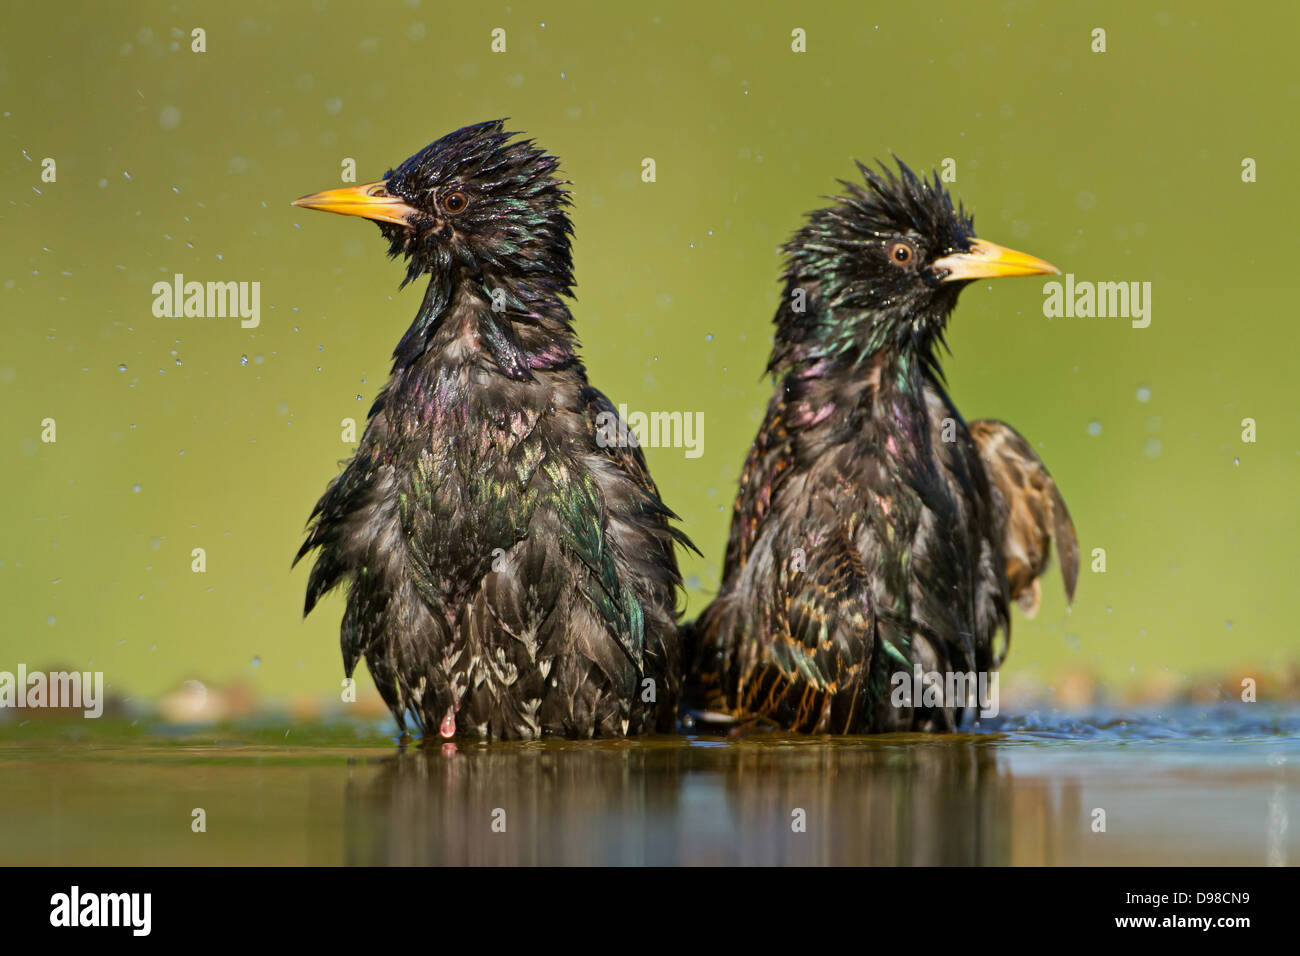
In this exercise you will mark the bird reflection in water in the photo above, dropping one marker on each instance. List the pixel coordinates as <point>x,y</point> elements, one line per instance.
<point>656,801</point>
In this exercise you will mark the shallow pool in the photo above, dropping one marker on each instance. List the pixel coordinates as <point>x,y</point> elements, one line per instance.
<point>1190,785</point>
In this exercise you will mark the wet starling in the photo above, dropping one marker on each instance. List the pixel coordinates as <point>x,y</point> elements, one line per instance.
<point>874,530</point>
<point>510,571</point>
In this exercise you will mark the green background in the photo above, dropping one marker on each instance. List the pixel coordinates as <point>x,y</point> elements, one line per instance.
<point>1117,166</point>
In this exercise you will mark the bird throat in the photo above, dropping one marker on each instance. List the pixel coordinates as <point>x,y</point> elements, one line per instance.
<point>481,351</point>
<point>837,398</point>
<point>514,328</point>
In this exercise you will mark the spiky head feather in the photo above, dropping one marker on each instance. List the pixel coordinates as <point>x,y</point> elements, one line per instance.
<point>845,296</point>
<point>514,218</point>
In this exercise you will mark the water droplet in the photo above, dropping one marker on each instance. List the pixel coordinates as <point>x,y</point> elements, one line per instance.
<point>122,367</point>
<point>1143,394</point>
<point>1094,428</point>
<point>243,360</point>
<point>257,661</point>
<point>1236,461</point>
<point>136,489</point>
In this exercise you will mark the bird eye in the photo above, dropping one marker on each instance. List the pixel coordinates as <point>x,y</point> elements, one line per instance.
<point>455,202</point>
<point>901,253</point>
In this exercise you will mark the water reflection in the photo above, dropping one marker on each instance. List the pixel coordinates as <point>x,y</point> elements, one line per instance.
<point>1184,788</point>
<point>846,802</point>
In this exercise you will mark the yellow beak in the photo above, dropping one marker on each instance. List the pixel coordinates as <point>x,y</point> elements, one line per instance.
<point>371,201</point>
<point>986,260</point>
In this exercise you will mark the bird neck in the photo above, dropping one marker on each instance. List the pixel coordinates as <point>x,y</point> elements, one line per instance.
<point>838,390</point>
<point>815,329</point>
<point>508,326</point>
<point>882,398</point>
<point>837,360</point>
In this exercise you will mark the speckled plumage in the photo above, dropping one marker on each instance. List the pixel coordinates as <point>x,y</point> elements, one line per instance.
<point>870,534</point>
<point>507,576</point>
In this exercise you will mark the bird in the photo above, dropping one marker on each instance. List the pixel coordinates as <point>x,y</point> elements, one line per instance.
<point>509,565</point>
<point>875,532</point>
<point>1030,511</point>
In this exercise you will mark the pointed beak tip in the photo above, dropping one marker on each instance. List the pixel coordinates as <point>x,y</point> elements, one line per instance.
<point>987,260</point>
<point>366,201</point>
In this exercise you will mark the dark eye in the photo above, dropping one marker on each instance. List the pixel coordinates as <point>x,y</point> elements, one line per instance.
<point>901,253</point>
<point>455,202</point>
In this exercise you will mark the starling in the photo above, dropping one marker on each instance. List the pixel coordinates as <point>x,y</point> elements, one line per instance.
<point>510,571</point>
<point>875,531</point>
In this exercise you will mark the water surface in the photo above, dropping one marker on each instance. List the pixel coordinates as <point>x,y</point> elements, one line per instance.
<point>1184,786</point>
